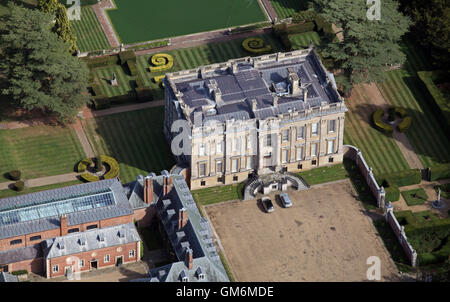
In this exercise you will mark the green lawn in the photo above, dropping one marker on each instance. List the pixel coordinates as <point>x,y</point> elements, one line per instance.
<point>143,20</point>
<point>10,193</point>
<point>135,139</point>
<point>324,174</point>
<point>104,74</point>
<point>286,8</point>
<point>415,197</point>
<point>89,32</point>
<point>218,194</point>
<point>39,151</point>
<point>402,88</point>
<point>380,151</point>
<point>301,41</point>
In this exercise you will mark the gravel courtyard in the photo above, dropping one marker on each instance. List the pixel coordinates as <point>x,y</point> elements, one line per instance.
<point>325,236</point>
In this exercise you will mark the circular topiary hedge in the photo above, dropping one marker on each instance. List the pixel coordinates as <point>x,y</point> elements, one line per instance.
<point>403,126</point>
<point>111,164</point>
<point>255,45</point>
<point>161,62</point>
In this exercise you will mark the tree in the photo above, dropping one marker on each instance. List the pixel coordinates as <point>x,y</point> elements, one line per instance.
<point>62,24</point>
<point>39,72</point>
<point>368,46</point>
<point>431,27</point>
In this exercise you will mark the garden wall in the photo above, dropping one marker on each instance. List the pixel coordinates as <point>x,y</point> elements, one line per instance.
<point>355,154</point>
<point>401,236</point>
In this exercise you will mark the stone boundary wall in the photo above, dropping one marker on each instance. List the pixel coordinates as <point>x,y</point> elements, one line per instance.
<point>355,154</point>
<point>401,236</point>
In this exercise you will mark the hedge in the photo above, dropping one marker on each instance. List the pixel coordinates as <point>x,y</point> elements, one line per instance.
<point>144,94</point>
<point>101,103</point>
<point>102,61</point>
<point>404,125</point>
<point>132,67</point>
<point>300,28</point>
<point>392,192</point>
<point>304,16</point>
<point>151,45</point>
<point>158,79</point>
<point>441,171</point>
<point>96,89</point>
<point>161,62</point>
<point>255,45</point>
<point>126,56</point>
<point>438,101</point>
<point>113,166</point>
<point>89,177</point>
<point>20,272</point>
<point>84,164</point>
<point>19,185</point>
<point>379,124</point>
<point>401,178</point>
<point>14,174</point>
<point>400,111</point>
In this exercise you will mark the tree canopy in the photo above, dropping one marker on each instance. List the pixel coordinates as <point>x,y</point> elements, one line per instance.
<point>39,71</point>
<point>368,46</point>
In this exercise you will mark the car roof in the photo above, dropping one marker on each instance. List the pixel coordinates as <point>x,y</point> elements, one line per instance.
<point>284,195</point>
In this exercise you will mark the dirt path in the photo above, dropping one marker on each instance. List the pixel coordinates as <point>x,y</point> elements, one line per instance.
<point>99,10</point>
<point>82,137</point>
<point>268,7</point>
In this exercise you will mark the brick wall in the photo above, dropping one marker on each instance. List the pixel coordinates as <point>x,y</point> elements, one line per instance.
<point>144,216</point>
<point>95,255</point>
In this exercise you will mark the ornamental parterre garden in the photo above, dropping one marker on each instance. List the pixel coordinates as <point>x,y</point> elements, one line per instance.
<point>400,124</point>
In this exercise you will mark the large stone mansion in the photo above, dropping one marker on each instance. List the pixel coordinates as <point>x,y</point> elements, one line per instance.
<point>278,112</point>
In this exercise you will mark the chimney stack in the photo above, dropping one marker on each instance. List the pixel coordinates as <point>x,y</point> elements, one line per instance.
<point>63,225</point>
<point>294,81</point>
<point>275,101</point>
<point>253,104</point>
<point>167,184</point>
<point>305,94</point>
<point>189,258</point>
<point>148,190</point>
<point>182,218</point>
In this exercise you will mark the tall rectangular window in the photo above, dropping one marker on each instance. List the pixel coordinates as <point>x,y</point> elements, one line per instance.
<point>300,153</point>
<point>248,142</point>
<point>315,129</point>
<point>234,165</point>
<point>202,169</point>
<point>236,145</point>
<point>284,155</point>
<point>202,150</point>
<point>332,126</point>
<point>106,258</point>
<point>131,254</point>
<point>249,162</point>
<point>285,135</point>
<point>268,140</point>
<point>301,132</point>
<point>219,147</point>
<point>219,166</point>
<point>55,268</point>
<point>314,149</point>
<point>330,147</point>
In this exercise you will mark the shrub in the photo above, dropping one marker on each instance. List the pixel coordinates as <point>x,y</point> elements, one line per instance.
<point>404,125</point>
<point>415,197</point>
<point>14,174</point>
<point>113,166</point>
<point>132,67</point>
<point>441,171</point>
<point>101,61</point>
<point>19,185</point>
<point>101,103</point>
<point>400,111</point>
<point>20,272</point>
<point>304,16</point>
<point>255,45</point>
<point>89,177</point>
<point>379,124</point>
<point>158,79</point>
<point>126,56</point>
<point>84,164</point>
<point>161,62</point>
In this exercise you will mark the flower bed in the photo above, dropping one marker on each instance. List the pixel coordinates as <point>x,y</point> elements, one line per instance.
<point>255,45</point>
<point>161,62</point>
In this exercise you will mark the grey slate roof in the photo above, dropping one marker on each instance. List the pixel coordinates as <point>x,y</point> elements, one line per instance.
<point>196,235</point>
<point>15,211</point>
<point>249,82</point>
<point>7,277</point>
<point>21,254</point>
<point>90,240</point>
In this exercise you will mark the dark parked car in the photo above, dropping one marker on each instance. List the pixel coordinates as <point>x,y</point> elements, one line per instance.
<point>267,204</point>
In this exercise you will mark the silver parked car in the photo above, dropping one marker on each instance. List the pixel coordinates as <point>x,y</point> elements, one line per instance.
<point>284,197</point>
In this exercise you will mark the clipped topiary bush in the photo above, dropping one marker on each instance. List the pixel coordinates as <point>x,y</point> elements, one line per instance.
<point>441,171</point>
<point>161,62</point>
<point>255,45</point>
<point>14,174</point>
<point>379,124</point>
<point>127,56</point>
<point>113,166</point>
<point>89,177</point>
<point>19,185</point>
<point>404,125</point>
<point>84,164</point>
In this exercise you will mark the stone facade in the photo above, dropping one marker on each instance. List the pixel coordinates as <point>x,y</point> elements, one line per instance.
<point>233,137</point>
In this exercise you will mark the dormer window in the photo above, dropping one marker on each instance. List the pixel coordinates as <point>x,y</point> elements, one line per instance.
<point>199,273</point>
<point>201,277</point>
<point>101,237</point>
<point>184,276</point>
